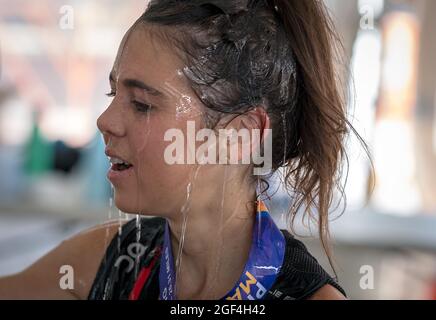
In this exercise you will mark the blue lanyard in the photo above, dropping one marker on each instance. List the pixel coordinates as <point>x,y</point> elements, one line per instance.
<point>264,262</point>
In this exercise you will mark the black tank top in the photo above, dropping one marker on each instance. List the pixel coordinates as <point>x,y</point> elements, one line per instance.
<point>123,276</point>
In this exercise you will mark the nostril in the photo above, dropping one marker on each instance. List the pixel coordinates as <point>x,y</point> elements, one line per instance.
<point>106,139</point>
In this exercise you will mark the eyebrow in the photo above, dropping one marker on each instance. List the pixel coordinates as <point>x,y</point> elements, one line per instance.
<point>134,83</point>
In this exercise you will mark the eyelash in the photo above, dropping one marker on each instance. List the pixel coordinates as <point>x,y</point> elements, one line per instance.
<point>141,107</point>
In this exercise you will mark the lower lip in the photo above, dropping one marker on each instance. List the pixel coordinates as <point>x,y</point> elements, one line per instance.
<point>116,176</point>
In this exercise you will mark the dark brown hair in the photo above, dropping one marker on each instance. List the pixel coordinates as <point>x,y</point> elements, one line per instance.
<point>280,54</point>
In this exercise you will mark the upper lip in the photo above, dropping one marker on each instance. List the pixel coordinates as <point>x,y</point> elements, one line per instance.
<point>112,154</point>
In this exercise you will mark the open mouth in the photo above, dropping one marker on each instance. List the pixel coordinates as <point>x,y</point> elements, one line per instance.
<point>119,164</point>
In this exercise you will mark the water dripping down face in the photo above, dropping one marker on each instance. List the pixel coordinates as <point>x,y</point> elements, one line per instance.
<point>151,96</point>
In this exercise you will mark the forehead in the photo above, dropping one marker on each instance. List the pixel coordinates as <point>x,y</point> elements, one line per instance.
<point>145,56</point>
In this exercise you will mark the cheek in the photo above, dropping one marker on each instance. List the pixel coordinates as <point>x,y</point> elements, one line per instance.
<point>159,182</point>
<point>154,171</point>
<point>161,187</point>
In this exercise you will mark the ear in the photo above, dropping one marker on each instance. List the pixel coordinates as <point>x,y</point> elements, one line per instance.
<point>257,118</point>
<point>257,123</point>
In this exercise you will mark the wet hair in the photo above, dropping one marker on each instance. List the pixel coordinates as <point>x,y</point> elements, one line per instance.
<point>280,54</point>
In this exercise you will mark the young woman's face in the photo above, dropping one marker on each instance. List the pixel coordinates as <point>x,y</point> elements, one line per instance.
<point>150,97</point>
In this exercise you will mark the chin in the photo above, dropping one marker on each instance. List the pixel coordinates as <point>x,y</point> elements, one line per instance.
<point>128,205</point>
<point>126,209</point>
<point>125,204</point>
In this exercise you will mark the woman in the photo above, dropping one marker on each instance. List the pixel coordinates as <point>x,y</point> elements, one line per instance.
<point>185,66</point>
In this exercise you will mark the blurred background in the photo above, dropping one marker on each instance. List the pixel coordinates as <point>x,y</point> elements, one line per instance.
<point>55,59</point>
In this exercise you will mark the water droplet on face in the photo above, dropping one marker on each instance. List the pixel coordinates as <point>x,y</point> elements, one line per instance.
<point>138,228</point>
<point>138,241</point>
<point>184,107</point>
<point>120,230</point>
<point>185,211</point>
<point>111,202</point>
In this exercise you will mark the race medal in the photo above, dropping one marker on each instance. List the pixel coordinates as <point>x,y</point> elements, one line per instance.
<point>264,262</point>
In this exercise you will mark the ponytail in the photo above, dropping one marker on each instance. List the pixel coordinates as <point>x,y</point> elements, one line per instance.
<point>313,175</point>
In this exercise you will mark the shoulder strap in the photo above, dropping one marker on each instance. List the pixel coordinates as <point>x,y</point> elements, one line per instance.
<point>119,270</point>
<point>301,274</point>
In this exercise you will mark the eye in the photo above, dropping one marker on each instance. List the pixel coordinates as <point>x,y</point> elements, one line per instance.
<point>141,107</point>
<point>111,94</point>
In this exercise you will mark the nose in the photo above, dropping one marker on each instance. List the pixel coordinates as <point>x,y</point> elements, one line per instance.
<point>110,123</point>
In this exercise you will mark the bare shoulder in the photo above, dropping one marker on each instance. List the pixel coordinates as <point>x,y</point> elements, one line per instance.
<point>79,256</point>
<point>328,292</point>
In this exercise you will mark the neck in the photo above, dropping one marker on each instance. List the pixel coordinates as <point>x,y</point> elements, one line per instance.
<point>212,241</point>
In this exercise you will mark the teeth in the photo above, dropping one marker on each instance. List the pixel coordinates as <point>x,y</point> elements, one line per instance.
<point>118,161</point>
